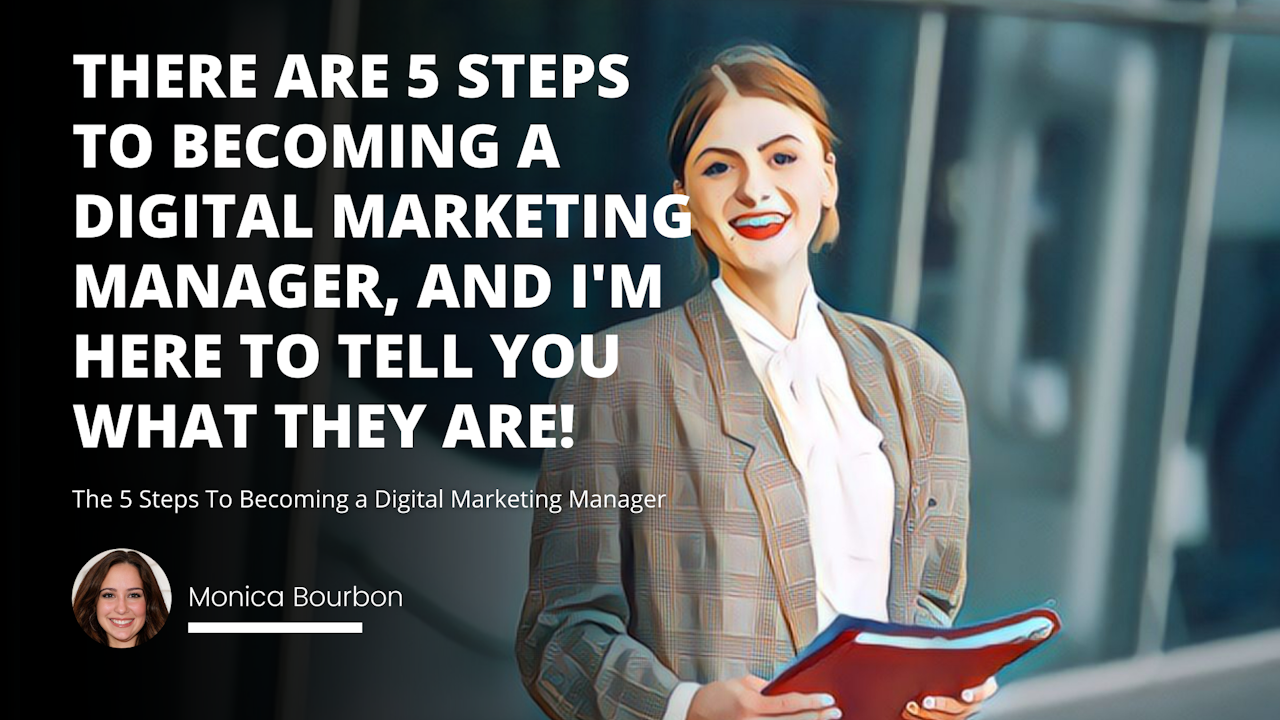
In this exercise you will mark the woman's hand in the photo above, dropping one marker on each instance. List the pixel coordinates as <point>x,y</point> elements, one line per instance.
<point>936,707</point>
<point>740,698</point>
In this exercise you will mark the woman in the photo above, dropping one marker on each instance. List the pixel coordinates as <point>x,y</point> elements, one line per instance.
<point>814,463</point>
<point>119,603</point>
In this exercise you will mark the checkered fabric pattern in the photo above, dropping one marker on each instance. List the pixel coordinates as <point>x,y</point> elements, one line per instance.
<point>719,582</point>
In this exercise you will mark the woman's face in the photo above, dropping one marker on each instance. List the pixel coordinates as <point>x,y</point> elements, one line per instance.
<point>122,607</point>
<point>758,180</point>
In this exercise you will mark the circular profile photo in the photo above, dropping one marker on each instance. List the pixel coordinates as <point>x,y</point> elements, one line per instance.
<point>121,598</point>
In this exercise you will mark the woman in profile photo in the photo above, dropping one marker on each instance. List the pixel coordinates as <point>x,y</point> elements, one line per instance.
<point>815,463</point>
<point>119,603</point>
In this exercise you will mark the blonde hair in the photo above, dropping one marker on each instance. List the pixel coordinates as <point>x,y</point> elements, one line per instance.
<point>755,70</point>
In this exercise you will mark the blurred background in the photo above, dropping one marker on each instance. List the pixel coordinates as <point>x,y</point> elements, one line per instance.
<point>1077,203</point>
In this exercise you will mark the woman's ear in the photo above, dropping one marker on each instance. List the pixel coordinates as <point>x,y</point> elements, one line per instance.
<point>832,182</point>
<point>677,188</point>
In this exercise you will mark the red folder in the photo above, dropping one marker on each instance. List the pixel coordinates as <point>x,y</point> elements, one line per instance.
<point>873,669</point>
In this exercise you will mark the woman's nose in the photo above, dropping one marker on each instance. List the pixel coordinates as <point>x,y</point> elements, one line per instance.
<point>756,186</point>
<point>122,606</point>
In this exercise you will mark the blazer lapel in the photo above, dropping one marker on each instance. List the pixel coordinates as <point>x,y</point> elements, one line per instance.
<point>775,484</point>
<point>872,376</point>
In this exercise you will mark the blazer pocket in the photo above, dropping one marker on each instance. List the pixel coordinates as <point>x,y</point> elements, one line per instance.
<point>940,496</point>
<point>940,581</point>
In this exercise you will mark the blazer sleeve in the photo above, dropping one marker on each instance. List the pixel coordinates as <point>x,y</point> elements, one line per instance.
<point>575,655</point>
<point>943,427</point>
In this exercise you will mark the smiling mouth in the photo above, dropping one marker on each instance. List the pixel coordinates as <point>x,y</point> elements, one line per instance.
<point>121,622</point>
<point>759,226</point>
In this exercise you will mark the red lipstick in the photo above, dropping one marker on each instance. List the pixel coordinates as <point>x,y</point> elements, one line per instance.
<point>759,226</point>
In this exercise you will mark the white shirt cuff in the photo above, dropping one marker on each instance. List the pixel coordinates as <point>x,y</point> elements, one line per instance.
<point>680,700</point>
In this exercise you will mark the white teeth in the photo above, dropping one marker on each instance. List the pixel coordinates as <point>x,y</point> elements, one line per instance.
<point>121,623</point>
<point>759,220</point>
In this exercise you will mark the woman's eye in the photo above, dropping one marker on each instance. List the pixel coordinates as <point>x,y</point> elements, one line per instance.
<point>108,596</point>
<point>782,158</point>
<point>135,596</point>
<point>715,168</point>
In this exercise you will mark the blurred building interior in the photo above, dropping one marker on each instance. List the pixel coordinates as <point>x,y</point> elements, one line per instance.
<point>1077,203</point>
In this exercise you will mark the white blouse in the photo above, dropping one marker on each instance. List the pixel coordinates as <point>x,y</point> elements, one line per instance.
<point>846,475</point>
<point>847,480</point>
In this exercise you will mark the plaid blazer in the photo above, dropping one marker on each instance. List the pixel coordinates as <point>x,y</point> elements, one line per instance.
<point>719,582</point>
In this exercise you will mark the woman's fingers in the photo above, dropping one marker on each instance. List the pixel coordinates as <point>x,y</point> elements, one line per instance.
<point>740,698</point>
<point>980,693</point>
<point>944,705</point>
<point>915,712</point>
<point>828,714</point>
<point>796,704</point>
<point>753,682</point>
<point>939,707</point>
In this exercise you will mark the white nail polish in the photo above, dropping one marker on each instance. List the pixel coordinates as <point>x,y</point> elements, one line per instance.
<point>967,696</point>
<point>929,703</point>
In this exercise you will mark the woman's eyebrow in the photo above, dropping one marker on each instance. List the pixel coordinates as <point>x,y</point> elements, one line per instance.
<point>114,590</point>
<point>777,139</point>
<point>726,151</point>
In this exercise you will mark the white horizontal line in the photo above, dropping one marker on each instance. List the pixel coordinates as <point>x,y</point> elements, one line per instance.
<point>293,628</point>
